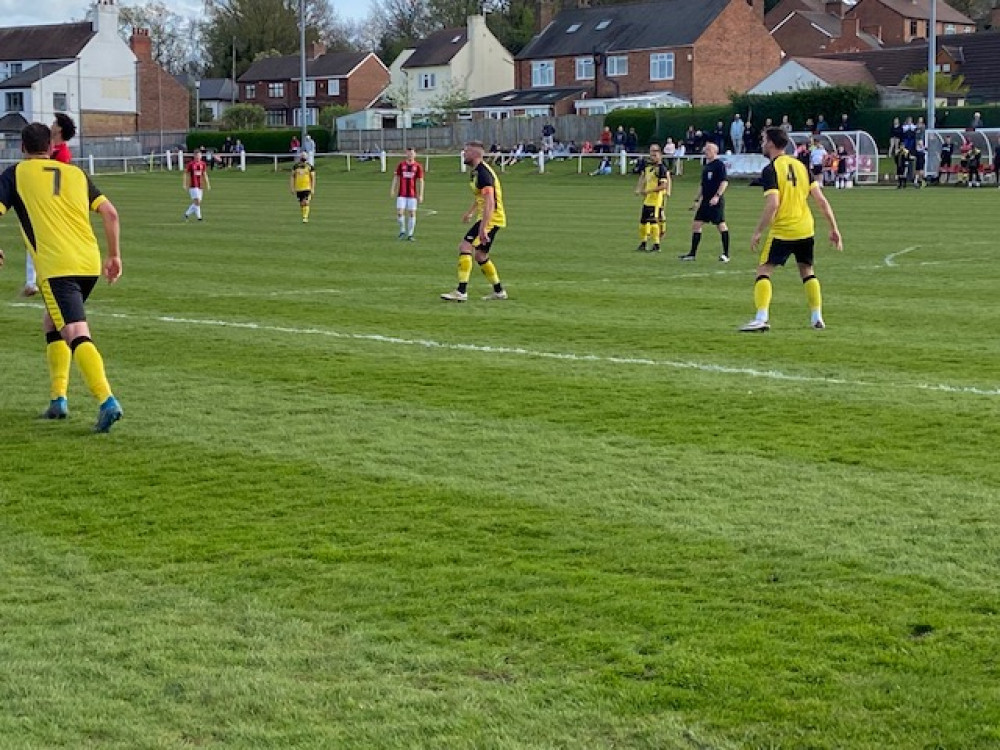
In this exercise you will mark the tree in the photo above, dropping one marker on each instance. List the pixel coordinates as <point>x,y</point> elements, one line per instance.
<point>450,102</point>
<point>328,116</point>
<point>255,26</point>
<point>944,84</point>
<point>171,35</point>
<point>244,117</point>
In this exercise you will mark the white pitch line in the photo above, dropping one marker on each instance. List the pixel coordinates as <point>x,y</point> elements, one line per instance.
<point>890,259</point>
<point>561,356</point>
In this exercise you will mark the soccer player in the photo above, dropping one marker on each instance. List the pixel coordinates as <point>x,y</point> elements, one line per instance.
<point>303,184</point>
<point>52,201</point>
<point>710,204</point>
<point>947,149</point>
<point>196,174</point>
<point>654,188</point>
<point>787,188</point>
<point>488,209</point>
<point>408,190</point>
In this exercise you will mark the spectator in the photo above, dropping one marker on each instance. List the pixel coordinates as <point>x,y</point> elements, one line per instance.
<point>919,165</point>
<point>977,122</point>
<point>902,159</point>
<point>786,124</point>
<point>632,141</point>
<point>572,147</point>
<point>768,123</point>
<point>718,136</point>
<point>810,126</point>
<point>921,130</point>
<point>910,135</point>
<point>975,162</point>
<point>895,136</point>
<point>548,136</point>
<point>587,148</point>
<point>944,168</point>
<point>620,139</point>
<point>737,129</point>
<point>604,167</point>
<point>750,144</point>
<point>845,123</point>
<point>689,138</point>
<point>821,124</point>
<point>817,160</point>
<point>841,170</point>
<point>294,145</point>
<point>309,147</point>
<point>605,140</point>
<point>670,154</point>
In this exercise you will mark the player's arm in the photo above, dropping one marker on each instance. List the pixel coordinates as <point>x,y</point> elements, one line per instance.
<point>395,185</point>
<point>489,206</point>
<point>670,184</point>
<point>420,190</point>
<point>187,180</point>
<point>312,181</point>
<point>112,232</point>
<point>772,199</point>
<point>208,183</point>
<point>291,182</point>
<point>816,191</point>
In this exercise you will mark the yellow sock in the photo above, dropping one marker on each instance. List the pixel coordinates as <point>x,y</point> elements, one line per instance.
<point>762,296</point>
<point>59,357</point>
<point>305,211</point>
<point>91,365</point>
<point>490,272</point>
<point>654,229</point>
<point>813,294</point>
<point>464,268</point>
<point>643,232</point>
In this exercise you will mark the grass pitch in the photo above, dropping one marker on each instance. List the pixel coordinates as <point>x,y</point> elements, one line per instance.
<point>342,513</point>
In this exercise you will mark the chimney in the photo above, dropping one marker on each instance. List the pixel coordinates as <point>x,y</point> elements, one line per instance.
<point>315,49</point>
<point>995,18</point>
<point>104,17</point>
<point>758,8</point>
<point>545,11</point>
<point>836,8</point>
<point>142,44</point>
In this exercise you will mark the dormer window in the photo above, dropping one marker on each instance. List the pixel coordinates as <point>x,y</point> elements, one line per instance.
<point>573,28</point>
<point>604,24</point>
<point>457,39</point>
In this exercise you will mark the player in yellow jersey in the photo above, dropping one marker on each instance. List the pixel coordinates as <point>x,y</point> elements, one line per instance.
<point>654,188</point>
<point>52,201</point>
<point>303,184</point>
<point>787,189</point>
<point>488,209</point>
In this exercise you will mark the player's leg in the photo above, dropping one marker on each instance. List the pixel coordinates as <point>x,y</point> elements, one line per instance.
<point>724,234</point>
<point>644,227</point>
<point>489,270</point>
<point>57,355</point>
<point>772,255</point>
<point>30,277</point>
<point>401,216</point>
<point>814,294</point>
<point>695,239</point>
<point>304,204</point>
<point>411,217</point>
<point>465,251</point>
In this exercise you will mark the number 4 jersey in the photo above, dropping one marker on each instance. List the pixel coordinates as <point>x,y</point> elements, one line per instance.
<point>787,177</point>
<point>53,203</point>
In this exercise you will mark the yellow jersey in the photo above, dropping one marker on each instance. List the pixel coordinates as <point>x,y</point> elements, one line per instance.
<point>302,176</point>
<point>484,177</point>
<point>53,201</point>
<point>652,176</point>
<point>789,178</point>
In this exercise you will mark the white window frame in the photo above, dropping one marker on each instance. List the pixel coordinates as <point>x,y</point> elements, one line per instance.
<point>11,101</point>
<point>537,112</point>
<point>427,81</point>
<point>950,28</point>
<point>250,91</point>
<point>585,68</point>
<point>276,90</point>
<point>620,67</point>
<point>276,117</point>
<point>666,60</point>
<point>310,88</point>
<point>543,73</point>
<point>333,87</point>
<point>60,101</point>
<point>311,115</point>
<point>15,68</point>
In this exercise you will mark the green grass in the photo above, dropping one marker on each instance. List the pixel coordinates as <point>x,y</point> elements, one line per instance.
<point>341,513</point>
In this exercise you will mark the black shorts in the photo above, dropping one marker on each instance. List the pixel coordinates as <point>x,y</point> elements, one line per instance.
<point>472,237</point>
<point>711,214</point>
<point>817,169</point>
<point>651,214</point>
<point>64,297</point>
<point>777,252</point>
<point>303,195</point>
<point>945,160</point>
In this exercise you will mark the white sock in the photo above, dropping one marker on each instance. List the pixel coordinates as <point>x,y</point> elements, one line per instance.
<point>402,223</point>
<point>411,224</point>
<point>762,316</point>
<point>190,210</point>
<point>197,211</point>
<point>815,315</point>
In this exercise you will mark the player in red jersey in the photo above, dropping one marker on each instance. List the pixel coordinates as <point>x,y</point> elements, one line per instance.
<point>196,175</point>
<point>408,190</point>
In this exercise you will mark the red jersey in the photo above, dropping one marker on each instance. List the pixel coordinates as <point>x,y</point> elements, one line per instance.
<point>60,152</point>
<point>196,170</point>
<point>408,175</point>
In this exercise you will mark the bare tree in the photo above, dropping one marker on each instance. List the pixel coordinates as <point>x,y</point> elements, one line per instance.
<point>174,46</point>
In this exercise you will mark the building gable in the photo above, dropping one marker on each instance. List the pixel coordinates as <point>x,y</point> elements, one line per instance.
<point>47,42</point>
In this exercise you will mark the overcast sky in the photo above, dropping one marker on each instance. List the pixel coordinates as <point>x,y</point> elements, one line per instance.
<point>20,13</point>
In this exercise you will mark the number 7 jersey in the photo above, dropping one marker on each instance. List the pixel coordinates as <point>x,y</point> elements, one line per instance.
<point>789,178</point>
<point>53,201</point>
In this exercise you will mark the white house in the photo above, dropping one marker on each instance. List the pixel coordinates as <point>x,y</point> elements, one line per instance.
<point>801,73</point>
<point>468,61</point>
<point>83,69</point>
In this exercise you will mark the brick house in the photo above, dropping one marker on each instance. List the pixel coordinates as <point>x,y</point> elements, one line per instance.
<point>351,79</point>
<point>163,102</point>
<point>811,27</point>
<point>897,22</point>
<point>647,54</point>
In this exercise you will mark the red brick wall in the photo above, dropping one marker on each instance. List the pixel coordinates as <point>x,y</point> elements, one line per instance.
<point>733,54</point>
<point>163,103</point>
<point>872,14</point>
<point>779,12</point>
<point>799,38</point>
<point>365,84</point>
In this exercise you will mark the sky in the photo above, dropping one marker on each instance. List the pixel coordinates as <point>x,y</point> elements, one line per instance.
<point>19,13</point>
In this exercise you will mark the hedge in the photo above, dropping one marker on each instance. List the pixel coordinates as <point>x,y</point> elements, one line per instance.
<point>257,141</point>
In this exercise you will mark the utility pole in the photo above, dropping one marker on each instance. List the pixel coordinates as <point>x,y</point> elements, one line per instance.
<point>302,68</point>
<point>234,72</point>
<point>932,67</point>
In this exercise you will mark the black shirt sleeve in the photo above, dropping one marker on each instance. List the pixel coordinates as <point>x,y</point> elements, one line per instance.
<point>721,171</point>
<point>8,188</point>
<point>484,177</point>
<point>93,193</point>
<point>769,178</point>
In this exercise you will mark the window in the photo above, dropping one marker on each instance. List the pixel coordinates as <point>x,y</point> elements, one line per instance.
<point>427,81</point>
<point>310,88</point>
<point>573,28</point>
<point>60,101</point>
<point>661,66</point>
<point>543,73</point>
<point>333,87</point>
<point>16,68</point>
<point>943,68</point>
<point>15,101</point>
<point>949,28</point>
<point>275,90</point>
<point>585,68</point>
<point>310,116</point>
<point>251,91</point>
<point>913,28</point>
<point>604,24</point>
<point>536,112</point>
<point>618,65</point>
<point>276,117</point>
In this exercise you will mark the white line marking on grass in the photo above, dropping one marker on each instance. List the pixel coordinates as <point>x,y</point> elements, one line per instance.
<point>561,356</point>
<point>890,259</point>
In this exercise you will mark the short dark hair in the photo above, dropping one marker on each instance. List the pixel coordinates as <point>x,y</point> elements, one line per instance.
<point>66,126</point>
<point>36,138</point>
<point>776,136</point>
<point>476,144</point>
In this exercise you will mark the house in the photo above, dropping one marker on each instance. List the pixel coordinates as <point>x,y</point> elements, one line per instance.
<point>897,22</point>
<point>348,79</point>
<point>801,73</point>
<point>215,96</point>
<point>973,56</point>
<point>83,69</point>
<point>163,102</point>
<point>803,28</point>
<point>469,62</point>
<point>672,51</point>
